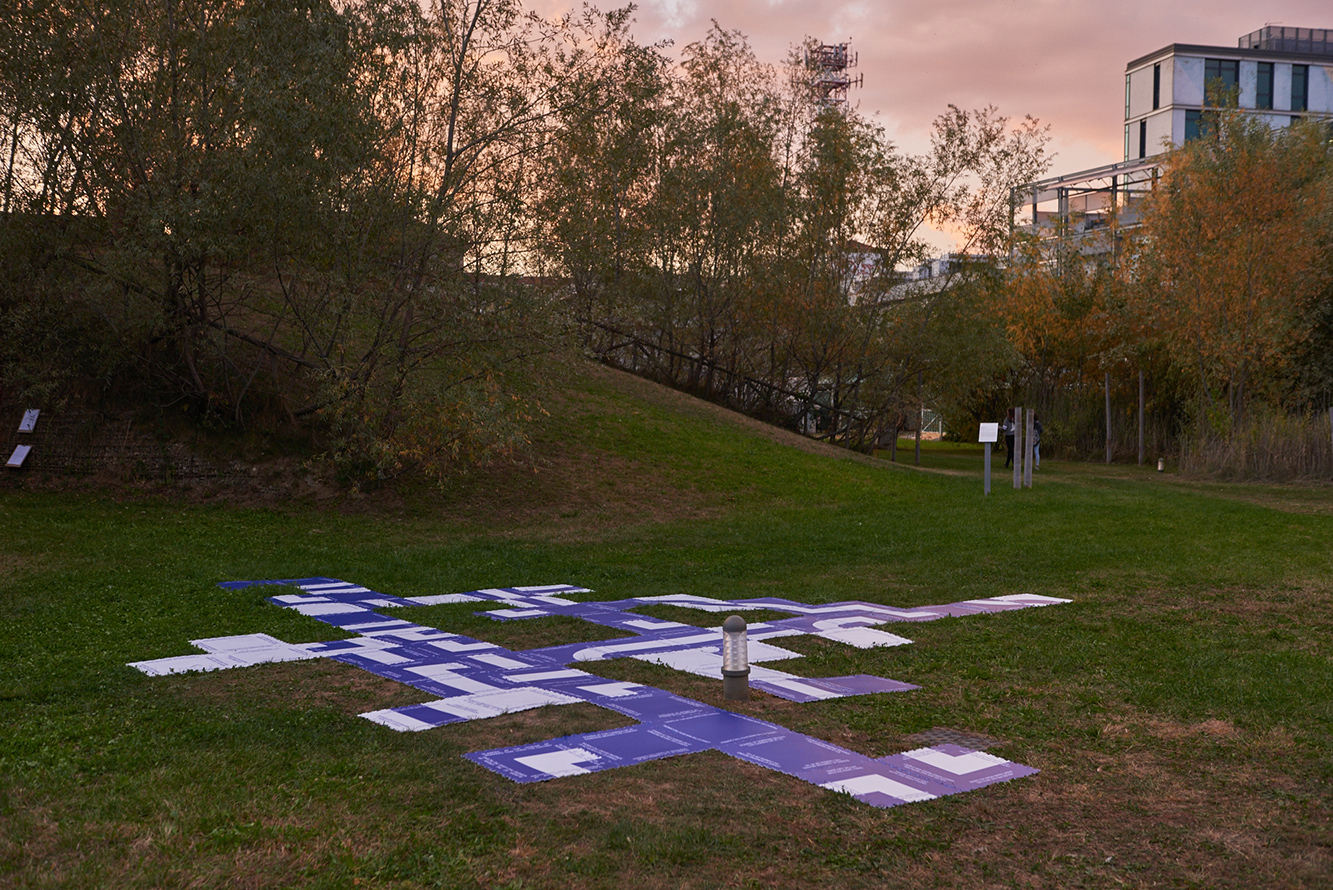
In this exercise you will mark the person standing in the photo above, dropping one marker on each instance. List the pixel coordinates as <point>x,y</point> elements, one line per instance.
<point>1008,428</point>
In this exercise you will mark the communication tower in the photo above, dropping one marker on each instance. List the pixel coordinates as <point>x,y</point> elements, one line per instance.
<point>828,64</point>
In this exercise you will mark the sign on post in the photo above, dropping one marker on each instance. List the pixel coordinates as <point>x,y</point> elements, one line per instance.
<point>990,433</point>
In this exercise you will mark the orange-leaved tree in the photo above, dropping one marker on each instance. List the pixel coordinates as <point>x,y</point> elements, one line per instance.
<point>1228,255</point>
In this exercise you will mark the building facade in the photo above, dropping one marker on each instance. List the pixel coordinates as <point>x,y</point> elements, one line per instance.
<point>1276,73</point>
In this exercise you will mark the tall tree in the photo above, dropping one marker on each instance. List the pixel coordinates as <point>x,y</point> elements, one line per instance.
<point>1229,254</point>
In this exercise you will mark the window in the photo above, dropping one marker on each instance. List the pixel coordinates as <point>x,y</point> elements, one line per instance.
<point>1127,142</point>
<point>1143,138</point>
<point>1157,86</point>
<point>1192,125</point>
<point>1126,97</point>
<point>1225,70</point>
<point>1264,86</point>
<point>1300,87</point>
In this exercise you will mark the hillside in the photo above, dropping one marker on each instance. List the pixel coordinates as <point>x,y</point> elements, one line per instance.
<point>1178,708</point>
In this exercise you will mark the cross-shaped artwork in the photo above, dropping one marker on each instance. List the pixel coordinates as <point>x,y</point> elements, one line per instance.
<point>474,679</point>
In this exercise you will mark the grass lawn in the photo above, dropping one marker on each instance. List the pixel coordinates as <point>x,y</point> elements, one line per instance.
<point>1180,709</point>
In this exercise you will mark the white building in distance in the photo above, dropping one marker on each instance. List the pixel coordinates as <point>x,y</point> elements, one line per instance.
<point>1278,73</point>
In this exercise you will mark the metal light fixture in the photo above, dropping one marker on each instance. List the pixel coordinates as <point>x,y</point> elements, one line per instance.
<point>735,660</point>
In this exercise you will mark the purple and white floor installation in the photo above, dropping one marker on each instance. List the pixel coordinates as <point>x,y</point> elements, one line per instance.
<point>474,679</point>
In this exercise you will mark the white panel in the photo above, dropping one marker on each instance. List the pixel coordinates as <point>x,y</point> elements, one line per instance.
<point>1187,82</point>
<point>327,608</point>
<point>883,784</point>
<point>1249,84</point>
<point>957,764</point>
<point>504,701</point>
<point>1321,88</point>
<point>396,721</point>
<point>795,685</point>
<point>863,637</point>
<point>1159,130</point>
<point>444,598</point>
<point>703,662</point>
<point>501,661</point>
<point>546,675</point>
<point>1140,91</point>
<point>654,625</point>
<point>613,690</point>
<point>253,648</point>
<point>160,667</point>
<point>453,645</point>
<point>559,763</point>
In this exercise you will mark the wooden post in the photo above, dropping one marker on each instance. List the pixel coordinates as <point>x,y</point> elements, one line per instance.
<point>1141,417</point>
<point>1108,417</point>
<point>1029,440</point>
<point>1018,448</point>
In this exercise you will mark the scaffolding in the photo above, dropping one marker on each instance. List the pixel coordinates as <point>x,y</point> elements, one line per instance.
<point>830,80</point>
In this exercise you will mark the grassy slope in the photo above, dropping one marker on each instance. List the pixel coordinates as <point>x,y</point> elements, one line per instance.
<point>1180,708</point>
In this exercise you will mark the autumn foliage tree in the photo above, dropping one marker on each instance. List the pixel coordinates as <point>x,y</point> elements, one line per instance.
<point>1230,254</point>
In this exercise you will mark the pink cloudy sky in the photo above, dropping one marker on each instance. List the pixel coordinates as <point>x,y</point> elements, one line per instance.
<point>1061,61</point>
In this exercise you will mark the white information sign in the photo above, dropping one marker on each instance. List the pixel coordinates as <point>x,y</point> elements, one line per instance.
<point>990,432</point>
<point>29,421</point>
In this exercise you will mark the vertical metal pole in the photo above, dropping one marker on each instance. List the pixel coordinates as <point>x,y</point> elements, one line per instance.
<point>1140,417</point>
<point>987,446</point>
<point>1018,448</point>
<point>1108,417</point>
<point>1028,439</point>
<point>921,413</point>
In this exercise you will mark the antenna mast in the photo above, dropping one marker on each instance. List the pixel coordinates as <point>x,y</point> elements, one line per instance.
<point>828,64</point>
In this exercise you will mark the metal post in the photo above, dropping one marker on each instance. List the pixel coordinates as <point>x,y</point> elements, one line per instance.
<point>987,447</point>
<point>735,660</point>
<point>1018,448</point>
<point>1028,442</point>
<point>1140,417</point>
<point>1108,417</point>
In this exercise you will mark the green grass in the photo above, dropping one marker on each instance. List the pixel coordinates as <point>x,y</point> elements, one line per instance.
<point>1180,709</point>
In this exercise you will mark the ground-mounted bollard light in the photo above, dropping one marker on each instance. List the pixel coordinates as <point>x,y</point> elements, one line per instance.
<point>735,660</point>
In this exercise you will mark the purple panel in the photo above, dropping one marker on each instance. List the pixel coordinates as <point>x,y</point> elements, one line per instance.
<point>650,705</point>
<point>669,724</point>
<point>798,755</point>
<point>721,727</point>
<point>428,715</point>
<point>597,751</point>
<point>637,744</point>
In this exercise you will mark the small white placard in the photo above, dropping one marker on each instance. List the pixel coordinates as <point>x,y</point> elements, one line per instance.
<point>29,421</point>
<point>19,456</point>
<point>990,432</point>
